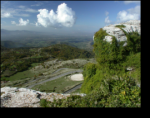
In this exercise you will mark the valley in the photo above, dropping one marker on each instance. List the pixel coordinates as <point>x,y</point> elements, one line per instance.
<point>43,68</point>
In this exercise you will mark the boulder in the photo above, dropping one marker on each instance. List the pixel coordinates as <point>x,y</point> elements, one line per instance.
<point>130,26</point>
<point>23,97</point>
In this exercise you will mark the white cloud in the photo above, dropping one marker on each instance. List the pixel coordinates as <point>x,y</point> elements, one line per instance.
<point>107,21</point>
<point>136,10</point>
<point>128,2</point>
<point>64,17</point>
<point>23,15</point>
<point>31,10</point>
<point>130,14</point>
<point>106,13</point>
<point>21,22</point>
<point>13,22</point>
<point>5,15</point>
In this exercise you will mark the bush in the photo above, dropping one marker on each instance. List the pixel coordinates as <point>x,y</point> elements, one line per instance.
<point>43,103</point>
<point>40,74</point>
<point>89,70</point>
<point>113,92</point>
<point>120,26</point>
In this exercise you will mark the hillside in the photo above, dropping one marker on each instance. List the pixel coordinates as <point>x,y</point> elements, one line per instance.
<point>111,79</point>
<point>22,58</point>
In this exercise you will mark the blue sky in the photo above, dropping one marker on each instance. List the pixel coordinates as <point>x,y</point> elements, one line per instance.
<point>66,16</point>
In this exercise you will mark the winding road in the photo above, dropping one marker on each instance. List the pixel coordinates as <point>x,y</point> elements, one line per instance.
<point>52,73</point>
<point>72,89</point>
<point>56,77</point>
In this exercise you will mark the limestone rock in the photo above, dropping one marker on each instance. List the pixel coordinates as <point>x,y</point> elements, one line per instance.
<point>131,26</point>
<point>22,97</point>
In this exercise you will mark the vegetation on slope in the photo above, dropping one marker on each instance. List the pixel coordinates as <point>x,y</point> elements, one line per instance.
<point>120,26</point>
<point>66,52</point>
<point>112,59</point>
<point>117,92</point>
<point>108,83</point>
<point>21,59</point>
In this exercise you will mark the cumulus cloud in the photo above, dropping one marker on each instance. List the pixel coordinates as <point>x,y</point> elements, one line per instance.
<point>107,21</point>
<point>130,14</point>
<point>21,22</point>
<point>5,15</point>
<point>64,16</point>
<point>128,2</point>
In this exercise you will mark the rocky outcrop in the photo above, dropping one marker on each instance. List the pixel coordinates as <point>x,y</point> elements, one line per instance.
<point>130,26</point>
<point>22,97</point>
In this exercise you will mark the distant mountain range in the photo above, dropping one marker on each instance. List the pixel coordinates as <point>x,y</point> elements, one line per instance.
<point>5,32</point>
<point>17,32</point>
<point>26,38</point>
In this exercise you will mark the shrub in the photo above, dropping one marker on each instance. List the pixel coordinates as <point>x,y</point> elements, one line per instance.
<point>113,92</point>
<point>40,74</point>
<point>43,103</point>
<point>120,26</point>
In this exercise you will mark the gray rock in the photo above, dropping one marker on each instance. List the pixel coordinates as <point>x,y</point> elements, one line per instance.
<point>131,26</point>
<point>22,97</point>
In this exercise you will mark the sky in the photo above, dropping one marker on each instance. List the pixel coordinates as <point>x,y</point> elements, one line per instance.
<point>66,16</point>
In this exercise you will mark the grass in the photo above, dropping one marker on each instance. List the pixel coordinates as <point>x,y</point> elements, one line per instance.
<point>77,91</point>
<point>62,84</point>
<point>8,73</point>
<point>33,65</point>
<point>19,76</point>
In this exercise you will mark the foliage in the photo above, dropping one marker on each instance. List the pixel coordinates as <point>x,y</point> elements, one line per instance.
<point>113,59</point>
<point>90,70</point>
<point>133,42</point>
<point>116,92</point>
<point>66,52</point>
<point>43,103</point>
<point>120,26</point>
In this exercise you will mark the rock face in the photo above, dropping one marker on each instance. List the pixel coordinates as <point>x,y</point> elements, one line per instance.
<point>22,97</point>
<point>132,25</point>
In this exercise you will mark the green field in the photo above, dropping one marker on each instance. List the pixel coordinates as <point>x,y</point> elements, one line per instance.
<point>62,84</point>
<point>21,75</point>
